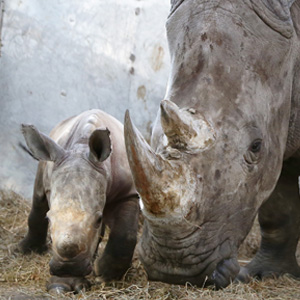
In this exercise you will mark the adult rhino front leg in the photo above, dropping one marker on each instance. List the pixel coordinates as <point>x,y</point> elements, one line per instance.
<point>122,219</point>
<point>279,220</point>
<point>35,240</point>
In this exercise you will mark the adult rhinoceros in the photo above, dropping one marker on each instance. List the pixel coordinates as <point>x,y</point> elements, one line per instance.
<point>229,127</point>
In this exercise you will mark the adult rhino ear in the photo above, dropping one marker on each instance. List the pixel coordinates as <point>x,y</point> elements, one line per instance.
<point>100,145</point>
<point>276,14</point>
<point>41,146</point>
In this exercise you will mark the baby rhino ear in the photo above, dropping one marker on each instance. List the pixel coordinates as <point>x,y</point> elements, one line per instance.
<point>100,145</point>
<point>40,145</point>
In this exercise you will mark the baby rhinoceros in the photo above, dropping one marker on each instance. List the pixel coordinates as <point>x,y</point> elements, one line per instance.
<point>83,183</point>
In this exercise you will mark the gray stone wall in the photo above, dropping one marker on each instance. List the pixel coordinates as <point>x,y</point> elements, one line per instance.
<point>59,58</point>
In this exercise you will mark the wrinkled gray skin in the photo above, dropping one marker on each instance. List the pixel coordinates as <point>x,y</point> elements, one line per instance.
<point>83,184</point>
<point>229,126</point>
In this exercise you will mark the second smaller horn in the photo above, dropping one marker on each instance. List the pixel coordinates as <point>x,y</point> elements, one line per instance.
<point>185,130</point>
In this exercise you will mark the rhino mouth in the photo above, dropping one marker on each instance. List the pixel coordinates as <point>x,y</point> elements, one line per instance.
<point>224,273</point>
<point>216,267</point>
<point>78,266</point>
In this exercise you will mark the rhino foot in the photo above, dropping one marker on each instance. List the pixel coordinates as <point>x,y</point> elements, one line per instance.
<point>243,276</point>
<point>225,273</point>
<point>68,284</point>
<point>27,246</point>
<point>266,269</point>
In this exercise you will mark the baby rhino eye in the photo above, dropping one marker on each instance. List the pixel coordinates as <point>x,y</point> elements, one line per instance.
<point>255,146</point>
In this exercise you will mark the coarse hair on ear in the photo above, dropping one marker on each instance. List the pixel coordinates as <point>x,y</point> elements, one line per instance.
<point>100,145</point>
<point>40,145</point>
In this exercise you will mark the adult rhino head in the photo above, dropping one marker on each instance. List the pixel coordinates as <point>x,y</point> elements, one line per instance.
<point>219,141</point>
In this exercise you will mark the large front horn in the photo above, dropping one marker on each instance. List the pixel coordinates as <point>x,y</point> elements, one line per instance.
<point>157,180</point>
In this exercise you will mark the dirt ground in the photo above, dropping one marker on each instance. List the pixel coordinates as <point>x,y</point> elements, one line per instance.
<point>25,277</point>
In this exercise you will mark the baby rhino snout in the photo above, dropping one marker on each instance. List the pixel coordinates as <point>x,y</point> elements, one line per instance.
<point>68,250</point>
<point>70,257</point>
<point>68,247</point>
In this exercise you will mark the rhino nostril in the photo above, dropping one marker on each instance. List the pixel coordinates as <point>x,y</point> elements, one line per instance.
<point>68,250</point>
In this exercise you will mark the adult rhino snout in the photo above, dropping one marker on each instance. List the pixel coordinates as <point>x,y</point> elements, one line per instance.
<point>164,181</point>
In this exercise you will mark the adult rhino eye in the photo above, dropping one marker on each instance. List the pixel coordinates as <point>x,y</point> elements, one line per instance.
<point>255,146</point>
<point>98,219</point>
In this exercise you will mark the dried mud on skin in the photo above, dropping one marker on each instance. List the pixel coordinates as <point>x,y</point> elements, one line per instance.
<point>24,277</point>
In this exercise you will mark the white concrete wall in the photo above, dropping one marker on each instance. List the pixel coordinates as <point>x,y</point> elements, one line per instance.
<point>61,57</point>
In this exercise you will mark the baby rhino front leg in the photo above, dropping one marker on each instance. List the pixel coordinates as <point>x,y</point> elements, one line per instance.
<point>117,256</point>
<point>35,239</point>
